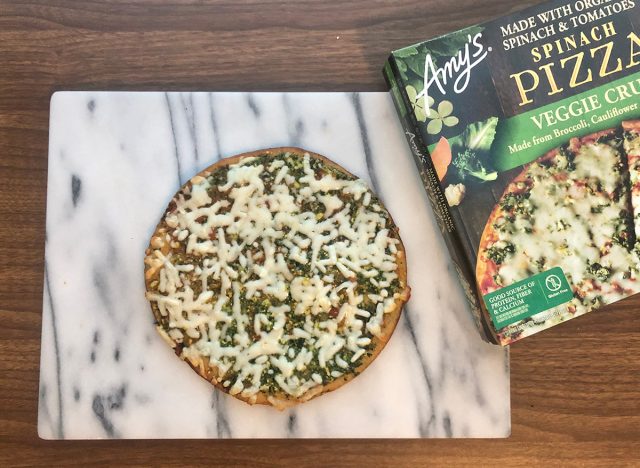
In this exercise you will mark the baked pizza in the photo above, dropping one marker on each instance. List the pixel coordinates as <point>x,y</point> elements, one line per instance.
<point>632,149</point>
<point>277,275</point>
<point>570,208</point>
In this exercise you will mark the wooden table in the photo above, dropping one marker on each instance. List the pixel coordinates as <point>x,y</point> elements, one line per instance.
<point>575,388</point>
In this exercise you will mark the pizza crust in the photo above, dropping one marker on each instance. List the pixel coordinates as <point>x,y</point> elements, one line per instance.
<point>209,371</point>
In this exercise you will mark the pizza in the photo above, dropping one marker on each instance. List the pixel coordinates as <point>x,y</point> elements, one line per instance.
<point>570,208</point>
<point>632,150</point>
<point>277,275</point>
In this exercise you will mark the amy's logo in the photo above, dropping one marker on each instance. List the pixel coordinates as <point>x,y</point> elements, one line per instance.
<point>457,69</point>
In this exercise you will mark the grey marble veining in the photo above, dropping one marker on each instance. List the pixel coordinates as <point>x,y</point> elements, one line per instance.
<point>115,159</point>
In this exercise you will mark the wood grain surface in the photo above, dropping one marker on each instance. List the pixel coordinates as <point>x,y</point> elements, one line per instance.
<point>575,388</point>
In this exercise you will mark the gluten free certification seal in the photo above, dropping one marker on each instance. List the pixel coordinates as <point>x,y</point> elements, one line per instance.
<point>528,297</point>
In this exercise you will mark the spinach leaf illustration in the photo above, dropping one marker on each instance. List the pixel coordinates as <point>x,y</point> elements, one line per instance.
<point>471,151</point>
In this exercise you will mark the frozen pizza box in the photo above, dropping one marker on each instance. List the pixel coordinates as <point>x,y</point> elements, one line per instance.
<point>525,131</point>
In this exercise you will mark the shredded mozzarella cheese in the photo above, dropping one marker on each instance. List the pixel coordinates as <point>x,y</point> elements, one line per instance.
<point>257,247</point>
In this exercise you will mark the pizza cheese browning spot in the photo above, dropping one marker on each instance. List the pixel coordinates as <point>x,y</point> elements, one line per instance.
<point>276,275</point>
<point>570,208</point>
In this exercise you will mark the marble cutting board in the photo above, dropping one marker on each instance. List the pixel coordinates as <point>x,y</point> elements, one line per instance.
<point>115,159</point>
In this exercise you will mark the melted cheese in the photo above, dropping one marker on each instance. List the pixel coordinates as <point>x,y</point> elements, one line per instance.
<point>256,244</point>
<point>571,218</point>
<point>632,148</point>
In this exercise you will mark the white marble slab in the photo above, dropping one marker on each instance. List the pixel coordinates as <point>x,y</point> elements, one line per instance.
<point>115,159</point>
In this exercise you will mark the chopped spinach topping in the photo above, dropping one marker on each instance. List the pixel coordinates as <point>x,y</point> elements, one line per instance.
<point>516,202</point>
<point>499,254</point>
<point>569,155</point>
<point>600,272</point>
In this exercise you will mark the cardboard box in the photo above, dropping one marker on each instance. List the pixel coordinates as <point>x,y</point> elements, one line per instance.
<point>525,131</point>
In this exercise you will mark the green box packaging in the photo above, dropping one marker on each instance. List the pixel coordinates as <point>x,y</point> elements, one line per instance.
<point>526,133</point>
